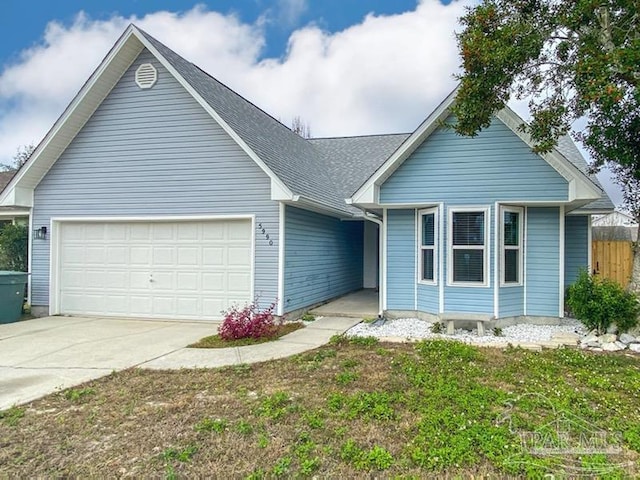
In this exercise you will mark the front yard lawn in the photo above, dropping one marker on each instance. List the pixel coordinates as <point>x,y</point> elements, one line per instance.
<point>354,408</point>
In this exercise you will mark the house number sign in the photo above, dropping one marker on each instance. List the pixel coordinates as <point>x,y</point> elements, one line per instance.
<point>264,232</point>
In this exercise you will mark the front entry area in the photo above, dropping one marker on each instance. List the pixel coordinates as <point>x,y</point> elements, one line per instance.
<point>157,269</point>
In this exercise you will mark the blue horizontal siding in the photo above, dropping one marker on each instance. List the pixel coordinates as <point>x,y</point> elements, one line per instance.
<point>323,258</point>
<point>155,152</point>
<point>543,261</point>
<point>511,301</point>
<point>428,298</point>
<point>494,166</point>
<point>401,260</point>
<point>576,246</point>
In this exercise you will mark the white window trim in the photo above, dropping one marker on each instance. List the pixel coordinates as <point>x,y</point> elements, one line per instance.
<point>485,248</point>
<point>520,247</point>
<point>434,247</point>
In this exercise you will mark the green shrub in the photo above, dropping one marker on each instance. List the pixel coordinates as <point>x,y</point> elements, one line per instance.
<point>14,241</point>
<point>600,302</point>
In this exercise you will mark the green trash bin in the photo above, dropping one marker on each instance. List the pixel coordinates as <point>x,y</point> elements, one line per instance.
<point>11,295</point>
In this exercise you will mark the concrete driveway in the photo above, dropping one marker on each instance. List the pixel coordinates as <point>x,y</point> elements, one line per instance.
<point>39,356</point>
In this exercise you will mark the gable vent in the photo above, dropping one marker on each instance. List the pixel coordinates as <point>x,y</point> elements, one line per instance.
<point>146,75</point>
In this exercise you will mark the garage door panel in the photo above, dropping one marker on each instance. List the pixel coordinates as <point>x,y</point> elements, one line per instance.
<point>117,255</point>
<point>139,255</point>
<point>163,269</point>
<point>238,230</point>
<point>163,256</point>
<point>188,282</point>
<point>188,256</point>
<point>239,256</point>
<point>213,256</point>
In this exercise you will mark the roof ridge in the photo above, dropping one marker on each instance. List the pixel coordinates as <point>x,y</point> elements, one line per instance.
<point>361,136</point>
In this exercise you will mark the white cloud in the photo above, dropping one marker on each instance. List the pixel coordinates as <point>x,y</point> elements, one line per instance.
<point>384,74</point>
<point>290,11</point>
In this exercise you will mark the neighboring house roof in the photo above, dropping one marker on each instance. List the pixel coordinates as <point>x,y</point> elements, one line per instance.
<point>5,178</point>
<point>614,219</point>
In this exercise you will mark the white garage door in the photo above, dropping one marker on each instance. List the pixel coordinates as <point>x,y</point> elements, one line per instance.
<point>190,270</point>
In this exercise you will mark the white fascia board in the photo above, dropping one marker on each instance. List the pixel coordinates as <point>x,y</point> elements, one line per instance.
<point>580,186</point>
<point>70,122</point>
<point>279,192</point>
<point>282,189</point>
<point>317,207</point>
<point>368,192</point>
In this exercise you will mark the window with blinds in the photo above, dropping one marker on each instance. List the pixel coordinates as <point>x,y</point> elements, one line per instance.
<point>468,247</point>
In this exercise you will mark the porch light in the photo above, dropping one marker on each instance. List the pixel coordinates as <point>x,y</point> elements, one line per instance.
<point>40,233</point>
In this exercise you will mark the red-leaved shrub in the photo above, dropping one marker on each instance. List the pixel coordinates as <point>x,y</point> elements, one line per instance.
<point>248,322</point>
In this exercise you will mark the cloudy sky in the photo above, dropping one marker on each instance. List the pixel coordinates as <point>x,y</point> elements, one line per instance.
<point>346,67</point>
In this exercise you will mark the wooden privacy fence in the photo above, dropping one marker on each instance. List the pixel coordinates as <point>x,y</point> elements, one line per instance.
<point>612,259</point>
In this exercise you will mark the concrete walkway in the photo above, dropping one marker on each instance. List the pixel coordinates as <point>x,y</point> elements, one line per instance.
<point>360,304</point>
<point>40,356</point>
<point>314,335</point>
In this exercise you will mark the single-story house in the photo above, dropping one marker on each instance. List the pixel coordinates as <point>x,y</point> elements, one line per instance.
<point>160,192</point>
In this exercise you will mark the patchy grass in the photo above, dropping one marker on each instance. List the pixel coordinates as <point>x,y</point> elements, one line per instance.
<point>352,409</point>
<point>214,341</point>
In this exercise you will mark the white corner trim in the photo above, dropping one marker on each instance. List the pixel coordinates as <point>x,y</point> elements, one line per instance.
<point>281,253</point>
<point>30,257</point>
<point>589,245</point>
<point>561,261</point>
<point>496,260</point>
<point>441,271</point>
<point>383,250</point>
<point>225,126</point>
<point>525,220</point>
<point>416,268</point>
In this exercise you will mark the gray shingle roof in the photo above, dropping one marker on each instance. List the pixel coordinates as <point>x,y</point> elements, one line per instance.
<point>294,160</point>
<point>350,161</point>
<point>5,178</point>
<point>568,148</point>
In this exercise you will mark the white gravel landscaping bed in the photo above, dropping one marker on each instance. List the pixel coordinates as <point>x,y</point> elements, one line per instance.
<point>412,329</point>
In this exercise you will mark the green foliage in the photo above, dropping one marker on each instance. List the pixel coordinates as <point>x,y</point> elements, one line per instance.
<point>14,241</point>
<point>77,394</point>
<point>437,327</point>
<point>244,428</point>
<point>12,416</point>
<point>365,405</point>
<point>377,458</point>
<point>599,302</point>
<point>281,468</point>
<point>497,331</point>
<point>182,455</point>
<point>275,406</point>
<point>338,340</point>
<point>211,425</point>
<point>570,59</point>
<point>308,317</point>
